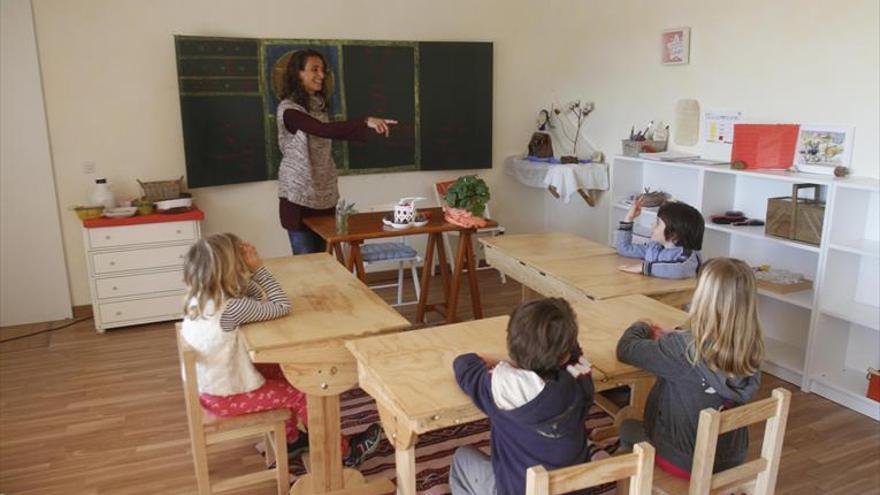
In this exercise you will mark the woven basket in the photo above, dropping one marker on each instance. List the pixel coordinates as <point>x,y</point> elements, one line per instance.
<point>161,190</point>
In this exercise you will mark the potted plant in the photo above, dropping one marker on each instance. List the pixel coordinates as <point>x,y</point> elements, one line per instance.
<point>466,201</point>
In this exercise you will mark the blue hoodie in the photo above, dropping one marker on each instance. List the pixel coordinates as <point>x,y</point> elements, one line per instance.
<point>534,421</point>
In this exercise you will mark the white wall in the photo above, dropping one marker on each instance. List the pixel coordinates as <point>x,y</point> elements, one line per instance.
<point>801,61</point>
<point>111,93</point>
<point>34,277</point>
<point>111,90</point>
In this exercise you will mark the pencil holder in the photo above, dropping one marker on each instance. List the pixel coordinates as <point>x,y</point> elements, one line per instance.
<point>633,148</point>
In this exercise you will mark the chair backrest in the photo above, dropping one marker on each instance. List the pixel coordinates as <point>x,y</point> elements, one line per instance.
<point>773,410</point>
<point>440,189</point>
<point>187,356</point>
<point>637,466</point>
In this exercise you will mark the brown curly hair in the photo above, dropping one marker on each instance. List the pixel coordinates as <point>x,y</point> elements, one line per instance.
<point>292,86</point>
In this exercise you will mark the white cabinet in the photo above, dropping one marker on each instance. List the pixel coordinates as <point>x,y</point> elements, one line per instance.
<point>822,339</point>
<point>136,269</point>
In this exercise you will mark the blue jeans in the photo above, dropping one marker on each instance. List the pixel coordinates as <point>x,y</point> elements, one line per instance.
<point>305,241</point>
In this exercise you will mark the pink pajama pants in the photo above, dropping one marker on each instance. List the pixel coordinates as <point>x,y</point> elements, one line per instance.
<point>276,393</point>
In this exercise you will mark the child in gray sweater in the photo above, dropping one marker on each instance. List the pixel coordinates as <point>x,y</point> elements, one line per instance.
<point>712,361</point>
<point>674,248</point>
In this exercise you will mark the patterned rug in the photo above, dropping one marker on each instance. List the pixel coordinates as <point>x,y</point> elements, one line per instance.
<point>434,450</point>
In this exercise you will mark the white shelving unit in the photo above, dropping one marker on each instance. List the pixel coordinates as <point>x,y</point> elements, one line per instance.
<point>822,339</point>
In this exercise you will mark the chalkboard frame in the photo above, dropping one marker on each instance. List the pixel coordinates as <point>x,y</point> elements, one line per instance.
<point>269,50</point>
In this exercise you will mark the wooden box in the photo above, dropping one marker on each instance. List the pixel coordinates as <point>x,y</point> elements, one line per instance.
<point>785,288</point>
<point>796,218</point>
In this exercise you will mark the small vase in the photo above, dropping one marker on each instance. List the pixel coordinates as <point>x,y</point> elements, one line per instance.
<point>341,223</point>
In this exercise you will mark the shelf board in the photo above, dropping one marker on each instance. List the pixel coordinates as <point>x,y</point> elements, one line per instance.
<point>788,356</point>
<point>803,299</point>
<point>847,387</point>
<point>862,247</point>
<point>757,232</point>
<point>852,311</point>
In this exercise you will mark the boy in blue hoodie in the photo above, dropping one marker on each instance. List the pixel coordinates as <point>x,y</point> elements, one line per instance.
<point>674,248</point>
<point>537,402</point>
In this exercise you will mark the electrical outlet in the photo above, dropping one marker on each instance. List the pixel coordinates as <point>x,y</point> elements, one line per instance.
<point>88,167</point>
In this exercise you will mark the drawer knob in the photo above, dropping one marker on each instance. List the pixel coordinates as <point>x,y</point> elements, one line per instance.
<point>107,237</point>
<point>112,263</point>
<point>179,231</point>
<point>115,288</point>
<point>119,313</point>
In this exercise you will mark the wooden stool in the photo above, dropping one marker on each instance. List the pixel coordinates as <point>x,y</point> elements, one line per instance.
<point>756,477</point>
<point>637,467</point>
<point>206,429</point>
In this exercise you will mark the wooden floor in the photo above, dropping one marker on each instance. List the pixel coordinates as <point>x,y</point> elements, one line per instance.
<point>82,413</point>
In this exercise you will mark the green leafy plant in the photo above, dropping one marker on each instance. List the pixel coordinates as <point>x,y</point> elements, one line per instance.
<point>470,193</point>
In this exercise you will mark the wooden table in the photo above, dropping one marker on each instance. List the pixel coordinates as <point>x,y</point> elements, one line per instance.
<point>410,374</point>
<point>363,226</point>
<point>565,265</point>
<point>329,306</point>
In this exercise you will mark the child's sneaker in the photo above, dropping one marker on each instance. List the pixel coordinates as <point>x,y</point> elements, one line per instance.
<point>298,447</point>
<point>362,445</point>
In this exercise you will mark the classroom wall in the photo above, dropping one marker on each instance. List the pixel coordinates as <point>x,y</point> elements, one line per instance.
<point>111,95</point>
<point>778,61</point>
<point>111,90</point>
<point>33,286</point>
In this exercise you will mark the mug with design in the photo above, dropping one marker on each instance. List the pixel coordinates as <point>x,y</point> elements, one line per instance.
<point>405,210</point>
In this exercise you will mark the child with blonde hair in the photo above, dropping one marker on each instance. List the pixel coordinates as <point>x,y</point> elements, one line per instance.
<point>712,360</point>
<point>227,286</point>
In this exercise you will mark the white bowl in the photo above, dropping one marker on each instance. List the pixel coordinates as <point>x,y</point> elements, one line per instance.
<point>122,212</point>
<point>169,204</point>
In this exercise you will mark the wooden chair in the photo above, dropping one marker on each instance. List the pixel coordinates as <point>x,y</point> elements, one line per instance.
<point>756,477</point>
<point>637,467</point>
<point>205,429</point>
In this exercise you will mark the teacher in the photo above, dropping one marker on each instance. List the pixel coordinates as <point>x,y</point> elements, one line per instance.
<point>307,181</point>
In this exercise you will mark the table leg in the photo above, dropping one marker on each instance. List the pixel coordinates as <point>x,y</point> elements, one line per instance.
<point>329,248</point>
<point>340,254</point>
<point>427,268</point>
<point>358,260</point>
<point>404,442</point>
<point>444,267</point>
<point>460,258</point>
<point>476,305</point>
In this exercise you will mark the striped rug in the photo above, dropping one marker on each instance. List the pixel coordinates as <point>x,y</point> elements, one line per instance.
<point>434,450</point>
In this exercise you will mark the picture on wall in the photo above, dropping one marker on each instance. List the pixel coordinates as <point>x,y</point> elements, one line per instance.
<point>676,46</point>
<point>820,149</point>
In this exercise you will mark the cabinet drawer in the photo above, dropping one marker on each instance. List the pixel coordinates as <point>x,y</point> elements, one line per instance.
<point>150,233</point>
<point>138,309</point>
<point>140,284</point>
<point>139,259</point>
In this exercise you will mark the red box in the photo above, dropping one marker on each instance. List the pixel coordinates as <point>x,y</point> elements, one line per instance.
<point>764,145</point>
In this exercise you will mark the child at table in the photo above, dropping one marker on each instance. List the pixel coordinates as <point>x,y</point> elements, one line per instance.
<point>537,401</point>
<point>227,286</point>
<point>713,360</point>
<point>674,248</point>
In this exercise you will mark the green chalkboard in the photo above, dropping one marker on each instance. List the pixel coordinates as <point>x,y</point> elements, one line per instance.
<point>440,92</point>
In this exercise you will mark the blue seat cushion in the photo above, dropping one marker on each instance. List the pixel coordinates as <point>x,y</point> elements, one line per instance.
<point>382,251</point>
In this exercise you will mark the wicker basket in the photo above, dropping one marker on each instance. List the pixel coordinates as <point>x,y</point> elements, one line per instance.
<point>633,148</point>
<point>796,218</point>
<point>161,190</point>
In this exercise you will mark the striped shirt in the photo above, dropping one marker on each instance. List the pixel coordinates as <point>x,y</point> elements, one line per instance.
<point>265,300</point>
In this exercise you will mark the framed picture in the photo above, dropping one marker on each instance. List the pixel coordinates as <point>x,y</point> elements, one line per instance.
<point>820,149</point>
<point>676,46</point>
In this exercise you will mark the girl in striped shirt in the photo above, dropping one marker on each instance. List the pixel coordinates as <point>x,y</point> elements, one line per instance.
<point>227,286</point>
